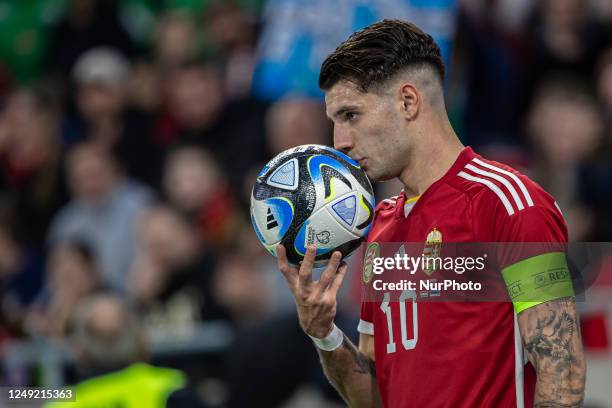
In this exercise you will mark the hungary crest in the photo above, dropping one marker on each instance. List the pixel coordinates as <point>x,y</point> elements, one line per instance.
<point>373,251</point>
<point>431,251</point>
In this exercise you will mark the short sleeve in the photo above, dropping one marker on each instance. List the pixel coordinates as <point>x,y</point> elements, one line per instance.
<point>533,231</point>
<point>366,319</point>
<point>531,254</point>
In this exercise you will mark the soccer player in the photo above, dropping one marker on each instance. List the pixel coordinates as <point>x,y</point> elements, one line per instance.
<point>384,93</point>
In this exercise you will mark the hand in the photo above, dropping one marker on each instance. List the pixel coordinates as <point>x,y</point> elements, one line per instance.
<point>316,300</point>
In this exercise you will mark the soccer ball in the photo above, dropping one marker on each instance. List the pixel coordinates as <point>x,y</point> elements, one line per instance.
<point>312,194</point>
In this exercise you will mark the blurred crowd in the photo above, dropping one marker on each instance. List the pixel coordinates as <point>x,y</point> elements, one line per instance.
<point>130,139</point>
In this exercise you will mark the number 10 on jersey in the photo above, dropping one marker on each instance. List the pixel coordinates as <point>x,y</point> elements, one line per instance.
<point>408,344</point>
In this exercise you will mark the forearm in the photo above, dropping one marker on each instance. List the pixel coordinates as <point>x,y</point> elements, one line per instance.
<point>566,393</point>
<point>563,390</point>
<point>554,346</point>
<point>353,374</point>
<point>349,370</point>
<point>561,382</point>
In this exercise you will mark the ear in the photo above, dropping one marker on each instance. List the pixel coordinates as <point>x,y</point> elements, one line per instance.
<point>410,100</point>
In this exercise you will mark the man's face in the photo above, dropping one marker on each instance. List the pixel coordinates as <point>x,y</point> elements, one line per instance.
<point>91,176</point>
<point>195,97</point>
<point>369,128</point>
<point>99,100</point>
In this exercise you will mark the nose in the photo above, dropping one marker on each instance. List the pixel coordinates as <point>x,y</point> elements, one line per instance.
<point>342,139</point>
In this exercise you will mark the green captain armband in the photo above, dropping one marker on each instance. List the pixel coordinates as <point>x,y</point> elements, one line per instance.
<point>538,279</point>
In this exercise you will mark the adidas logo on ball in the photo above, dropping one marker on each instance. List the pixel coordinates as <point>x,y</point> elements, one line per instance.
<point>271,222</point>
<point>312,194</point>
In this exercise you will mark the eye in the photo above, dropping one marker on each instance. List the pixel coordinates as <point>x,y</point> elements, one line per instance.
<point>350,116</point>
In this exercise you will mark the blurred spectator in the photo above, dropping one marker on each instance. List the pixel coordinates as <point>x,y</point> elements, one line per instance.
<point>604,85</point>
<point>231,32</point>
<point>563,146</point>
<point>72,275</point>
<point>101,76</point>
<point>30,160</point>
<point>86,25</point>
<point>198,114</point>
<point>196,100</point>
<point>596,176</point>
<point>170,277</point>
<point>111,350</point>
<point>103,209</point>
<point>144,92</point>
<point>175,40</point>
<point>106,335</point>
<point>602,9</point>
<point>194,184</point>
<point>248,264</point>
<point>21,274</point>
<point>488,58</point>
<point>243,288</point>
<point>294,121</point>
<point>564,38</point>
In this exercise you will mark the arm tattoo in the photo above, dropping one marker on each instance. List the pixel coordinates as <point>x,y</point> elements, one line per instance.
<point>551,339</point>
<point>363,365</point>
<point>551,334</point>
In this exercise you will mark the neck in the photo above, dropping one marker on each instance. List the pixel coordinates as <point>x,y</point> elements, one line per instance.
<point>431,159</point>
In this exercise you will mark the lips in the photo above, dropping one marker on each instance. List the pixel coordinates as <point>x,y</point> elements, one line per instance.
<point>362,162</point>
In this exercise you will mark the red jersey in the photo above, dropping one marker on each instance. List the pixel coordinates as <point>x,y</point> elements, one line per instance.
<point>461,354</point>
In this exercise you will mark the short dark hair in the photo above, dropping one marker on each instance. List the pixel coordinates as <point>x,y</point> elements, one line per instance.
<point>376,53</point>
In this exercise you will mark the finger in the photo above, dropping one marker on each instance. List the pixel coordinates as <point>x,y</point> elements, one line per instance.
<point>338,278</point>
<point>289,272</point>
<point>305,273</point>
<point>330,270</point>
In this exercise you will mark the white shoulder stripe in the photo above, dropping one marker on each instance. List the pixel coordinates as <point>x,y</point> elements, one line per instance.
<point>365,327</point>
<point>506,183</point>
<point>492,187</point>
<point>511,175</point>
<point>559,208</point>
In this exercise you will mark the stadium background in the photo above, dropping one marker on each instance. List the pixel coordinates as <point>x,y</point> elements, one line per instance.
<point>130,134</point>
